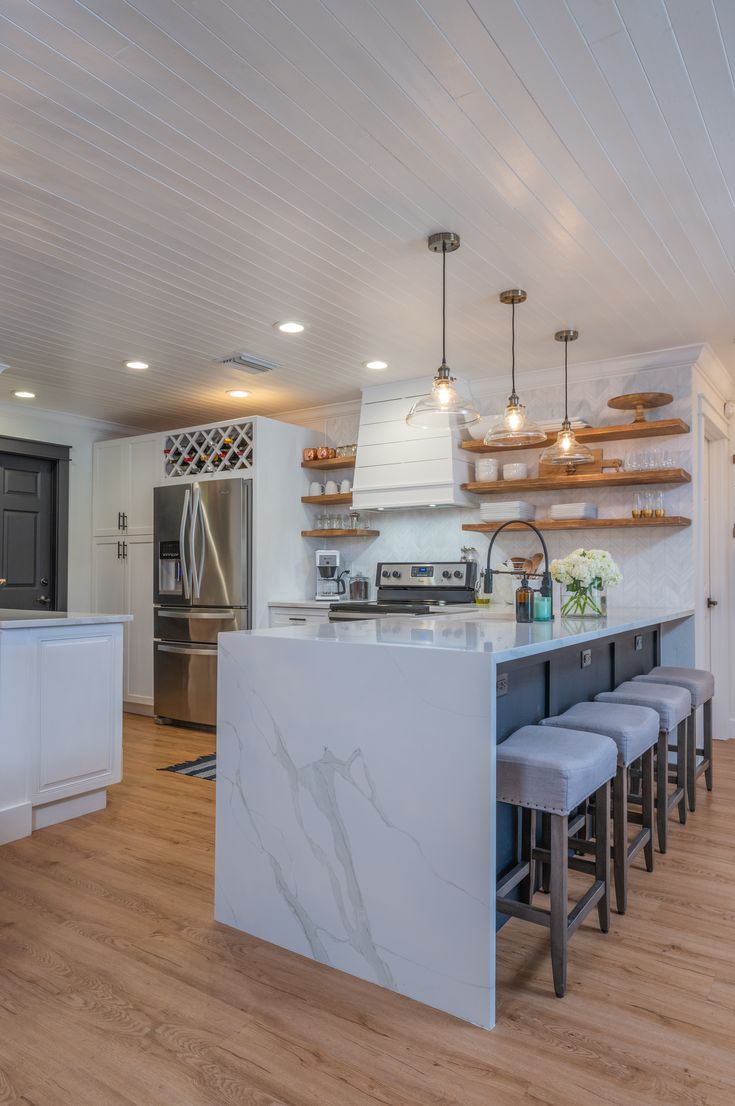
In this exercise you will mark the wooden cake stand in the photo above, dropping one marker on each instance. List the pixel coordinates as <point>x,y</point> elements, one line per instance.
<point>640,402</point>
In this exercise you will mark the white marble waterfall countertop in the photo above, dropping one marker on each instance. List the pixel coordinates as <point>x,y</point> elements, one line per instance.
<point>356,819</point>
<point>492,630</point>
<point>34,620</point>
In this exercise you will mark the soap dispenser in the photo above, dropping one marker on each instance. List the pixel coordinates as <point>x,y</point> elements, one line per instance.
<point>524,601</point>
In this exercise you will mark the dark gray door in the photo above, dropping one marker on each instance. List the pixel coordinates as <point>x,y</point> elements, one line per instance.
<point>26,532</point>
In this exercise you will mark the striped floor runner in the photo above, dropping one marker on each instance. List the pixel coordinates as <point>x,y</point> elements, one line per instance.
<point>204,767</point>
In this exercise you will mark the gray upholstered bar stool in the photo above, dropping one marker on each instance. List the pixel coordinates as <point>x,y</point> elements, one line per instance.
<point>673,706</point>
<point>538,771</point>
<point>701,686</point>
<point>635,733</point>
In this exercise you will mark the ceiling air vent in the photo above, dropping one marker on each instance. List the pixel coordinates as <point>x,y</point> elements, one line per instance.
<point>246,363</point>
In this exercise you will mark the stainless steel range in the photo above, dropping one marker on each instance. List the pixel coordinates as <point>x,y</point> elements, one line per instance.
<point>414,588</point>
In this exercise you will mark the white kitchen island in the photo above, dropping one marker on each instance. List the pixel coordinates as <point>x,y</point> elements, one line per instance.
<point>60,716</point>
<point>356,813</point>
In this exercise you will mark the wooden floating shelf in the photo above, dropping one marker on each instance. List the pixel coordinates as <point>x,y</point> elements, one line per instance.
<point>568,483</point>
<point>658,428</point>
<point>338,497</point>
<point>340,533</point>
<point>330,463</point>
<point>585,524</point>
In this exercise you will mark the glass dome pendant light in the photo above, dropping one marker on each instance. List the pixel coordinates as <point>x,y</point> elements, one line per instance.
<point>444,407</point>
<point>513,428</point>
<point>566,450</point>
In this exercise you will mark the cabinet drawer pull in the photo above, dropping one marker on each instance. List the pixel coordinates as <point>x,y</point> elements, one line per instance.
<point>293,618</point>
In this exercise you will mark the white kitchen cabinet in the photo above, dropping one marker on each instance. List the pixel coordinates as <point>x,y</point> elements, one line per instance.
<point>298,616</point>
<point>125,471</point>
<point>108,583</point>
<point>61,692</point>
<point>138,676</point>
<point>123,584</point>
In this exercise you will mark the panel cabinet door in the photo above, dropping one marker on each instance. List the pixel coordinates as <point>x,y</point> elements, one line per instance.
<point>142,472</point>
<point>109,487</point>
<point>79,706</point>
<point>139,632</point>
<point>109,577</point>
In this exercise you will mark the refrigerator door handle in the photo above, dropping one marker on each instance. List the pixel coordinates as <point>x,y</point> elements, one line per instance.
<point>203,552</point>
<point>215,615</point>
<point>182,545</point>
<point>197,563</point>
<point>188,650</point>
<point>195,495</point>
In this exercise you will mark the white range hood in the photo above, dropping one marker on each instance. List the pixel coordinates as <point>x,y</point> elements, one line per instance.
<point>399,466</point>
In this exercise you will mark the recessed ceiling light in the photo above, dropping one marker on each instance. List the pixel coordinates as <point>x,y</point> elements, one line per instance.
<point>237,393</point>
<point>376,364</point>
<point>136,364</point>
<point>289,327</point>
<point>25,395</point>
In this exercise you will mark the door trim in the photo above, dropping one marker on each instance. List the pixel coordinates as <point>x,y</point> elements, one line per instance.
<point>59,456</point>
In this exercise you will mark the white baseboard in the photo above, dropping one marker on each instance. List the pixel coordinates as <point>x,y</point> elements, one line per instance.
<point>63,809</point>
<point>15,822</point>
<point>133,707</point>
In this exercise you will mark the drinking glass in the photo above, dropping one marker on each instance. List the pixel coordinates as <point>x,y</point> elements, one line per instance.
<point>658,505</point>
<point>637,505</point>
<point>647,511</point>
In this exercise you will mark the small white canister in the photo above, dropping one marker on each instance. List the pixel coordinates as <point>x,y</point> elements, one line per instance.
<point>486,469</point>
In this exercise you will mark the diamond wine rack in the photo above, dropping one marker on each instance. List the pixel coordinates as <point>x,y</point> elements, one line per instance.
<point>226,448</point>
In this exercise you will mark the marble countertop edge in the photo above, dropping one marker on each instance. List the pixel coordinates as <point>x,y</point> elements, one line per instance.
<point>37,620</point>
<point>502,638</point>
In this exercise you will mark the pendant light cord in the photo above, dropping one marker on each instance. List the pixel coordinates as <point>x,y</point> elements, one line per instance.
<point>566,381</point>
<point>513,347</point>
<point>444,304</point>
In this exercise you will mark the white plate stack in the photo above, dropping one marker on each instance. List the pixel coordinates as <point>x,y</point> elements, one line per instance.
<point>566,512</point>
<point>517,510</point>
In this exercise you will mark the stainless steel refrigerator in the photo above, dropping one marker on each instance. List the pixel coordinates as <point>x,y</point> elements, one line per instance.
<point>202,584</point>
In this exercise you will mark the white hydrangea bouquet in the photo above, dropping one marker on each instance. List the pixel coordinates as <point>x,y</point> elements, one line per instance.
<point>584,575</point>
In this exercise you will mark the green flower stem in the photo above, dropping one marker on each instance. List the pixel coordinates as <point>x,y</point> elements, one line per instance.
<point>581,602</point>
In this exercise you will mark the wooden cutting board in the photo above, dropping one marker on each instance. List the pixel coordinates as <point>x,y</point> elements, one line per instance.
<point>599,464</point>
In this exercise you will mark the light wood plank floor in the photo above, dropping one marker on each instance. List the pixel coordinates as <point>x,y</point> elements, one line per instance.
<point>118,989</point>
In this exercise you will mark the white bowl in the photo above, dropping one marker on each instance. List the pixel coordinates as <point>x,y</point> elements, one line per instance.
<point>515,471</point>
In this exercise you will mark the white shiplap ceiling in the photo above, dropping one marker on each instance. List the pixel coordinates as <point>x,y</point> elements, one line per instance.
<point>177,176</point>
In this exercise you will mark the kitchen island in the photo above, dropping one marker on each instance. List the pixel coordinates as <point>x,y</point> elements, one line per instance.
<point>60,716</point>
<point>356,813</point>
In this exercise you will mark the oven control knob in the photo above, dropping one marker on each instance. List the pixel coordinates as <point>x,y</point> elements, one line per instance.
<point>385,573</point>
<point>446,574</point>
<point>458,574</point>
<point>396,574</point>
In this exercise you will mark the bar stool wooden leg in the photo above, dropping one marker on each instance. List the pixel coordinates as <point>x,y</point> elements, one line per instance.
<point>662,780</point>
<point>546,844</point>
<point>708,743</point>
<point>559,891</point>
<point>681,768</point>
<point>648,804</point>
<point>620,838</point>
<point>691,725</point>
<point>528,845</point>
<point>602,853</point>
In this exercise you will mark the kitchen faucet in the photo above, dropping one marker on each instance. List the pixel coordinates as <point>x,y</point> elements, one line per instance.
<point>545,575</point>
